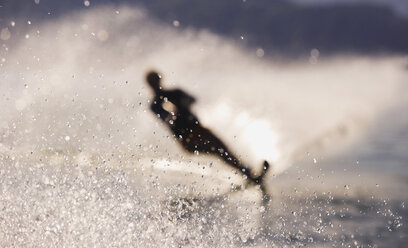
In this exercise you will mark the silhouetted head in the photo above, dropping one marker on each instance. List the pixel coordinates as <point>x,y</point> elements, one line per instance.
<point>153,79</point>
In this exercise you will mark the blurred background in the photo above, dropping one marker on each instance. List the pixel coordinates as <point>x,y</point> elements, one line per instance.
<point>318,88</point>
<point>282,28</point>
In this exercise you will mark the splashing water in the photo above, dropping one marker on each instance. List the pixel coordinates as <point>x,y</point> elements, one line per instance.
<point>84,162</point>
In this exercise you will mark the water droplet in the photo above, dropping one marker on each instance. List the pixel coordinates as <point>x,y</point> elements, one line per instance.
<point>87,3</point>
<point>176,23</point>
<point>5,34</point>
<point>102,35</point>
<point>314,53</point>
<point>314,56</point>
<point>67,138</point>
<point>260,52</point>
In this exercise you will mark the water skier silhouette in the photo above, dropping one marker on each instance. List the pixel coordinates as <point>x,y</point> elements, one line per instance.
<point>173,107</point>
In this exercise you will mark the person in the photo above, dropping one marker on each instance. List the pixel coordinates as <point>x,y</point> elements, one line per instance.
<point>173,107</point>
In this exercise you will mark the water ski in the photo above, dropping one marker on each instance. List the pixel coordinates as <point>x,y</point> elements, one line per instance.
<point>259,179</point>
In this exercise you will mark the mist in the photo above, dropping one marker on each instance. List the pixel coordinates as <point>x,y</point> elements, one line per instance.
<point>84,161</point>
<point>78,83</point>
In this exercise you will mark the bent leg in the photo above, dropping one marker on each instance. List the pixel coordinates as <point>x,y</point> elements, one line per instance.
<point>203,140</point>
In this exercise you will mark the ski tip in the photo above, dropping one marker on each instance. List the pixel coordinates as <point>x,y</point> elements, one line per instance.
<point>259,179</point>
<point>265,167</point>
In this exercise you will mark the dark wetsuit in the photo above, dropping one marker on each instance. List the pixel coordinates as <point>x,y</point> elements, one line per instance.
<point>186,127</point>
<point>173,107</point>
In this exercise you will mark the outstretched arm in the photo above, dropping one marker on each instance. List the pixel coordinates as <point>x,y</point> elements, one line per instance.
<point>185,99</point>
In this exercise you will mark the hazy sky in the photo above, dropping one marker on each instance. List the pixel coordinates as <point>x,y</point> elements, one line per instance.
<point>399,6</point>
